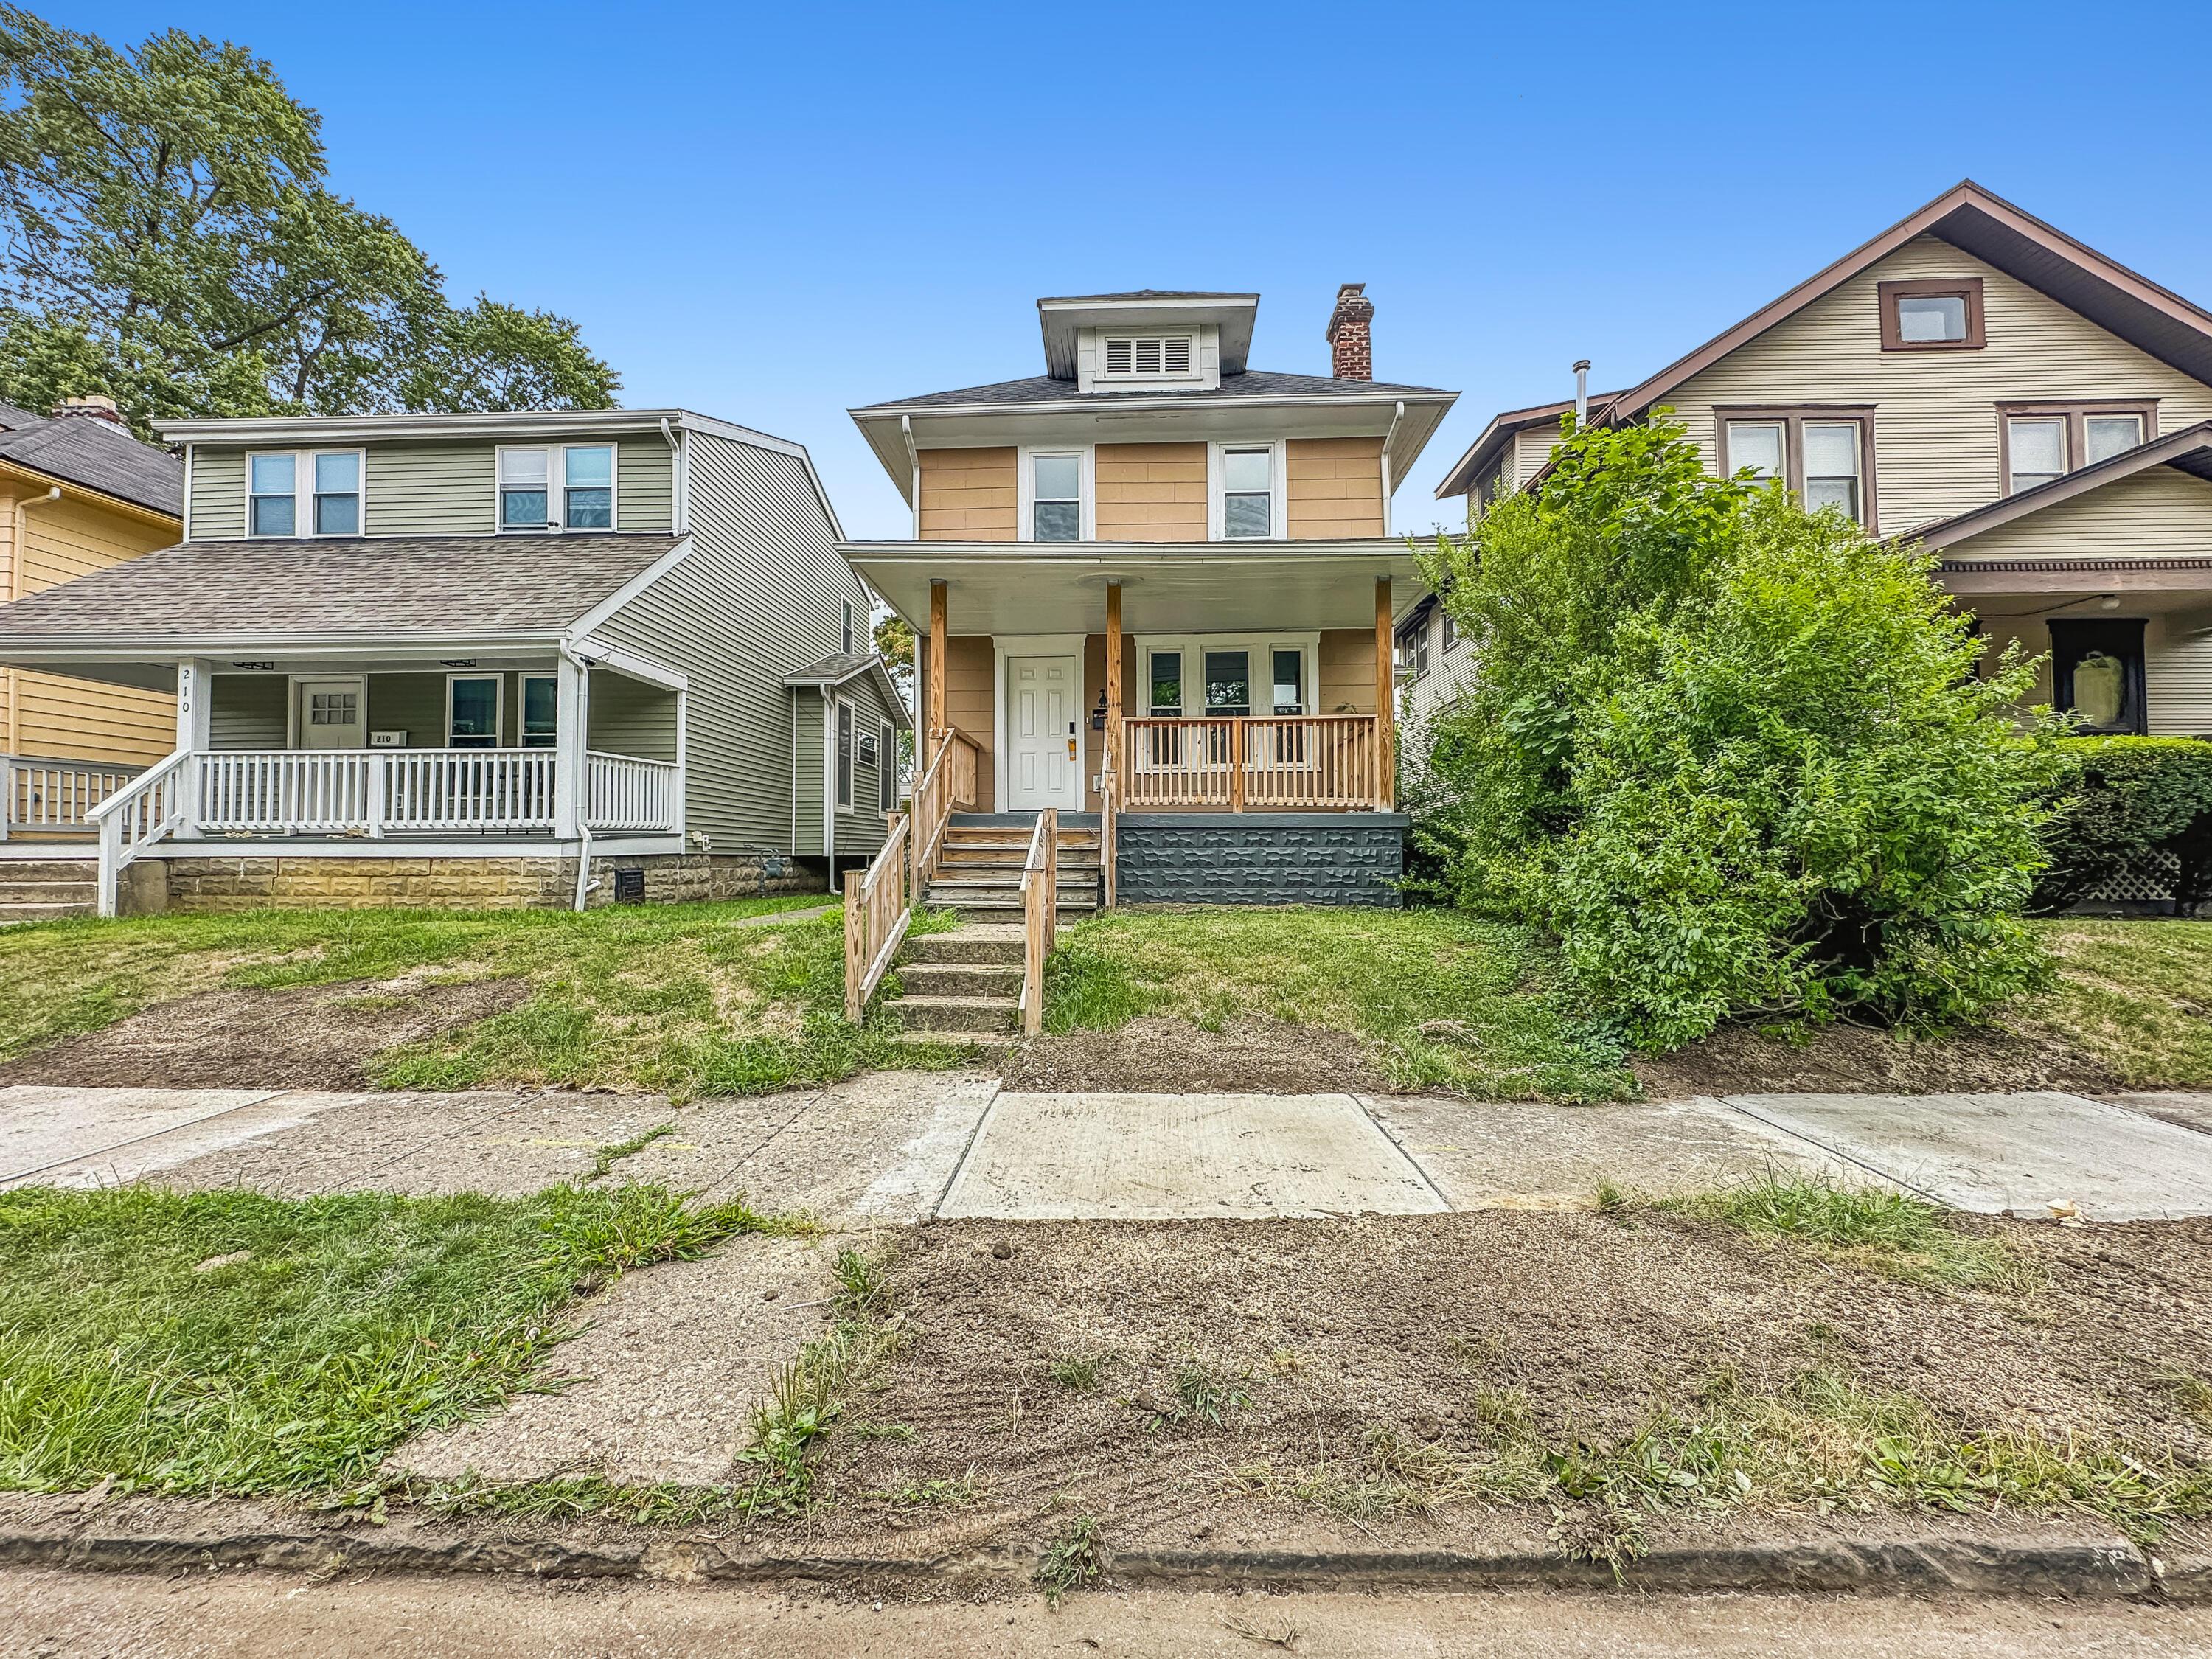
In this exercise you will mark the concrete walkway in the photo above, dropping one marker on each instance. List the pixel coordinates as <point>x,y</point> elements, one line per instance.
<point>896,1147</point>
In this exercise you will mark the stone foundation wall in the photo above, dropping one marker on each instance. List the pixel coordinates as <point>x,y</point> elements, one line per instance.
<point>252,882</point>
<point>1351,858</point>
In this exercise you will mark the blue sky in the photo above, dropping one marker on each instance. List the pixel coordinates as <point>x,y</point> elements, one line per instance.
<point>772,214</point>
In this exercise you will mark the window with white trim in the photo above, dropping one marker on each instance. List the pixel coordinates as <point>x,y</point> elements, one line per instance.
<point>273,492</point>
<point>472,711</point>
<point>1248,491</point>
<point>523,490</point>
<point>1056,496</point>
<point>587,496</point>
<point>844,757</point>
<point>540,710</point>
<point>576,479</point>
<point>1147,356</point>
<point>303,493</point>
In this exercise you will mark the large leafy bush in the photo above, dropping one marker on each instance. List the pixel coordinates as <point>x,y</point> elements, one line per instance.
<point>1737,755</point>
<point>2126,801</point>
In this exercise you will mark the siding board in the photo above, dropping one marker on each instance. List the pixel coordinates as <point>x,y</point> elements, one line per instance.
<point>1335,487</point>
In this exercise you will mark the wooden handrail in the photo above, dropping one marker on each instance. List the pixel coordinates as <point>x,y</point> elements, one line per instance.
<point>1109,808</point>
<point>1264,761</point>
<point>877,909</point>
<point>1040,914</point>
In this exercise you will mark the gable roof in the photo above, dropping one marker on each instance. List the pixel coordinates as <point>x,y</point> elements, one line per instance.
<point>843,667</point>
<point>2189,450</point>
<point>94,454</point>
<point>1466,471</point>
<point>1252,383</point>
<point>200,595</point>
<point>1980,223</point>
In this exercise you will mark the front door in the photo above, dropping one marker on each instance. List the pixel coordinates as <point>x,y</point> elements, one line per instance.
<point>1045,700</point>
<point>331,714</point>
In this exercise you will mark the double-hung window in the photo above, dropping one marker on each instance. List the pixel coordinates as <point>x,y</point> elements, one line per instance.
<point>472,711</point>
<point>1413,646</point>
<point>305,492</point>
<point>886,768</point>
<point>845,625</point>
<point>1248,491</point>
<point>1824,456</point>
<point>844,757</point>
<point>2043,441</point>
<point>570,487</point>
<point>1056,496</point>
<point>540,711</point>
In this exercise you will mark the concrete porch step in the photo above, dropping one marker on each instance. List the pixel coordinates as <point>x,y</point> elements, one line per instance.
<point>962,979</point>
<point>83,870</point>
<point>957,1014</point>
<point>44,911</point>
<point>978,942</point>
<point>38,891</point>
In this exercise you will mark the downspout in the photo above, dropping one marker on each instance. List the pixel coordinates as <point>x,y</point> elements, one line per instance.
<point>679,469</point>
<point>1396,416</point>
<point>913,470</point>
<point>830,786</point>
<point>584,882</point>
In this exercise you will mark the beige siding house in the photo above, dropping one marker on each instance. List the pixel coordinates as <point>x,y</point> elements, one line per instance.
<point>481,659</point>
<point>1977,379</point>
<point>77,493</point>
<point>1156,586</point>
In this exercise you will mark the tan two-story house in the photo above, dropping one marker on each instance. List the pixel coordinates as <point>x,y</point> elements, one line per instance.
<point>1156,582</point>
<point>1978,381</point>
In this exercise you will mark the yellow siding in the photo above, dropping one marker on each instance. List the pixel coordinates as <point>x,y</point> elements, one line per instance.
<point>968,702</point>
<point>1152,492</point>
<point>2158,513</point>
<point>49,714</point>
<point>969,495</point>
<point>1348,672</point>
<point>1335,487</point>
<point>1936,422</point>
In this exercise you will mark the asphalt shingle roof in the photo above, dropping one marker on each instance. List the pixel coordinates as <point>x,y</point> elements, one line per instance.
<point>1253,383</point>
<point>83,449</point>
<point>369,587</point>
<point>833,670</point>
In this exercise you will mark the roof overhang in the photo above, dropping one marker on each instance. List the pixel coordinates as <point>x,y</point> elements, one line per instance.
<point>873,668</point>
<point>1467,471</point>
<point>531,423</point>
<point>12,467</point>
<point>1060,319</point>
<point>1167,588</point>
<point>1129,418</point>
<point>2189,450</point>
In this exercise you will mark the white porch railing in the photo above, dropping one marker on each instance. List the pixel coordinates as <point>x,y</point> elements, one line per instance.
<point>147,809</point>
<point>374,792</point>
<point>55,797</point>
<point>621,791</point>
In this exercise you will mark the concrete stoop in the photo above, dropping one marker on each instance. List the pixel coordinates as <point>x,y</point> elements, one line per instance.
<point>1971,1558</point>
<point>41,890</point>
<point>962,987</point>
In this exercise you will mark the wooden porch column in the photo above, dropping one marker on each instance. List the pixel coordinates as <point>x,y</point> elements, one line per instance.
<point>1113,674</point>
<point>934,717</point>
<point>1386,713</point>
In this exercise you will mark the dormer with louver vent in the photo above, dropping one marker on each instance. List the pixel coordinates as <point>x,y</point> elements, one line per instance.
<point>1123,359</point>
<point>1153,357</point>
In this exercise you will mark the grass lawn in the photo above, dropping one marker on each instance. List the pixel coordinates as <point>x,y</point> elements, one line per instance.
<point>2136,995</point>
<point>681,999</point>
<point>235,1342</point>
<point>1439,999</point>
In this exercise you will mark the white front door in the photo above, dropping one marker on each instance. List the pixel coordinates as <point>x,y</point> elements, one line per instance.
<point>331,714</point>
<point>1044,701</point>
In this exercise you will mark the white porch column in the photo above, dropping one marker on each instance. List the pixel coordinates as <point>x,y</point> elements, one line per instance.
<point>680,809</point>
<point>572,721</point>
<point>195,731</point>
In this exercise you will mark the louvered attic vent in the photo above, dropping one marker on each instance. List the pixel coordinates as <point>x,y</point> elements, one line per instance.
<point>1142,356</point>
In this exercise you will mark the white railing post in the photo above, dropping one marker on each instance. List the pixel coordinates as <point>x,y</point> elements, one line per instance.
<point>380,772</point>
<point>571,724</point>
<point>7,793</point>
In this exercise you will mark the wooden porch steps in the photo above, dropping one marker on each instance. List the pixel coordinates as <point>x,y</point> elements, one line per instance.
<point>42,889</point>
<point>978,873</point>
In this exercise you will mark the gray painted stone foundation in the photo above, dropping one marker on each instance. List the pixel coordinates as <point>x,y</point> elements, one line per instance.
<point>1261,858</point>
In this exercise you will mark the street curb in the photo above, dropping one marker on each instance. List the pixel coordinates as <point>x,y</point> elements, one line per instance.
<point>1976,1564</point>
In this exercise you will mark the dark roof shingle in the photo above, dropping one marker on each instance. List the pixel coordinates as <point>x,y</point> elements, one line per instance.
<point>1252,383</point>
<point>369,588</point>
<point>83,449</point>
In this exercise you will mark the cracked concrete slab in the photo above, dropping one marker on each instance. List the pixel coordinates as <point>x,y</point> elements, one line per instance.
<point>1142,1157</point>
<point>2183,1111</point>
<point>1525,1155</point>
<point>217,1129</point>
<point>46,1128</point>
<point>2013,1151</point>
<point>666,1377</point>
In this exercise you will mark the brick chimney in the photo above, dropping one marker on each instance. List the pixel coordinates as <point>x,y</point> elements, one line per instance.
<point>93,406</point>
<point>1352,334</point>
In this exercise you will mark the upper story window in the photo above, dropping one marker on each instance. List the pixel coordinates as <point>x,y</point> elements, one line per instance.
<point>1247,491</point>
<point>303,493</point>
<point>1413,646</point>
<point>570,486</point>
<point>845,625</point>
<point>1057,496</point>
<point>1941,313</point>
<point>1824,456</point>
<point>2042,442</point>
<point>1146,356</point>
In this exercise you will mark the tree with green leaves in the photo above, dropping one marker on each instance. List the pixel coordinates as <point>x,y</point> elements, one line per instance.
<point>170,241</point>
<point>1742,759</point>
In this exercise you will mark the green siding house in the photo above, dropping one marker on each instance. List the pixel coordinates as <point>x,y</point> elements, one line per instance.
<point>558,659</point>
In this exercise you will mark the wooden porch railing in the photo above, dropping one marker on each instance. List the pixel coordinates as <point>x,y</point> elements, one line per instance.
<point>1327,761</point>
<point>879,901</point>
<point>1040,914</point>
<point>1109,809</point>
<point>55,797</point>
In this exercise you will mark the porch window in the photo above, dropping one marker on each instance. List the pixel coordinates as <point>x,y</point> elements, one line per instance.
<point>472,711</point>
<point>1056,503</point>
<point>1248,496</point>
<point>1228,684</point>
<point>1289,682</point>
<point>2097,673</point>
<point>1167,684</point>
<point>338,493</point>
<point>273,508</point>
<point>588,496</point>
<point>522,490</point>
<point>540,711</point>
<point>844,757</point>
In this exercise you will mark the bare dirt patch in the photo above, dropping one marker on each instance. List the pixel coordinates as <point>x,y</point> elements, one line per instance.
<point>318,1037</point>
<point>1156,1055</point>
<point>1048,1369</point>
<point>1852,1059</point>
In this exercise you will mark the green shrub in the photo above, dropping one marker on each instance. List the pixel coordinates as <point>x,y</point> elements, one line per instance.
<point>2126,800</point>
<point>1736,756</point>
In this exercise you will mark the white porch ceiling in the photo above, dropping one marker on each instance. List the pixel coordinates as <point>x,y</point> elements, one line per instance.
<point>1166,587</point>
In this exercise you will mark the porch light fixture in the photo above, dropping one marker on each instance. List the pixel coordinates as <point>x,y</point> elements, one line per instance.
<point>457,662</point>
<point>1098,714</point>
<point>256,667</point>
